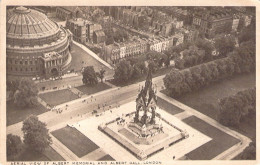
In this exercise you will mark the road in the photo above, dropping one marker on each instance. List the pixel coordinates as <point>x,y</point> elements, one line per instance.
<point>113,97</point>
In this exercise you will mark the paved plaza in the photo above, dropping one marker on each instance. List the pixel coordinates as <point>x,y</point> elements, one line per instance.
<point>89,127</point>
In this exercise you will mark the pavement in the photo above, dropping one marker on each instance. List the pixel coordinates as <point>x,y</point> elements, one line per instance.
<point>77,111</point>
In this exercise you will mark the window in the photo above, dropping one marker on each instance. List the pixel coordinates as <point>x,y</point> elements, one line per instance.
<point>31,62</point>
<point>16,69</point>
<point>21,69</point>
<point>16,62</point>
<point>10,60</point>
<point>21,62</point>
<point>36,68</point>
<point>26,62</point>
<point>11,68</point>
<point>31,69</point>
<point>26,69</point>
<point>35,61</point>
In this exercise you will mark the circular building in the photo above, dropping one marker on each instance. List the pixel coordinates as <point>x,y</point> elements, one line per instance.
<point>35,45</point>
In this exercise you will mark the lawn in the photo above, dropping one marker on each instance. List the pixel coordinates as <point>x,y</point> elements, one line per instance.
<point>206,99</point>
<point>16,114</point>
<point>53,155</point>
<point>30,155</point>
<point>219,143</point>
<point>168,107</point>
<point>90,90</point>
<point>79,55</point>
<point>58,97</point>
<point>78,143</point>
<point>106,158</point>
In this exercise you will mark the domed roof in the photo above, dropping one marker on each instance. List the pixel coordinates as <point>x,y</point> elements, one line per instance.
<point>23,22</point>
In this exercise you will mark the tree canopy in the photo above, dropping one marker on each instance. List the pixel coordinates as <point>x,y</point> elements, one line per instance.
<point>26,93</point>
<point>224,44</point>
<point>236,107</point>
<point>13,145</point>
<point>123,71</point>
<point>36,135</point>
<point>242,60</point>
<point>89,76</point>
<point>101,74</point>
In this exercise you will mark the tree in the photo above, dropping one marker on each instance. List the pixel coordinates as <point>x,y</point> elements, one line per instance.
<point>249,152</point>
<point>123,71</point>
<point>136,72</point>
<point>237,107</point>
<point>26,93</point>
<point>89,76</point>
<point>36,135</point>
<point>153,66</point>
<point>224,44</point>
<point>12,86</point>
<point>101,74</point>
<point>109,40</point>
<point>205,45</point>
<point>173,83</point>
<point>13,145</point>
<point>247,34</point>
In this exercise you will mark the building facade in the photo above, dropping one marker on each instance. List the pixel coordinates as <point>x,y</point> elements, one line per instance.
<point>213,22</point>
<point>83,30</point>
<point>68,12</point>
<point>35,45</point>
<point>115,52</point>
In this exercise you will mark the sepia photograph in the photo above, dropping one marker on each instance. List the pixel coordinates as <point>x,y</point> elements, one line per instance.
<point>129,84</point>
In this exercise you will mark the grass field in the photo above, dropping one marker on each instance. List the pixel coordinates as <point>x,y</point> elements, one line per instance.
<point>79,55</point>
<point>53,155</point>
<point>30,155</point>
<point>78,143</point>
<point>16,114</point>
<point>106,158</point>
<point>168,107</point>
<point>219,143</point>
<point>206,99</point>
<point>90,90</point>
<point>58,97</point>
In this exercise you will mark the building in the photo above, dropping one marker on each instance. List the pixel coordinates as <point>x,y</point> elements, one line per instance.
<point>83,30</point>
<point>190,35</point>
<point>78,28</point>
<point>99,36</point>
<point>235,23</point>
<point>245,20</point>
<point>115,52</point>
<point>68,12</point>
<point>213,22</point>
<point>35,45</point>
<point>178,38</point>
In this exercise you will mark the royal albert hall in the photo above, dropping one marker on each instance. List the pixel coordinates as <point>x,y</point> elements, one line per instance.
<point>35,45</point>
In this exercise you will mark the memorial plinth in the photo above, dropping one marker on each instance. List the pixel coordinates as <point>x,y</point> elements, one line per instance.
<point>144,132</point>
